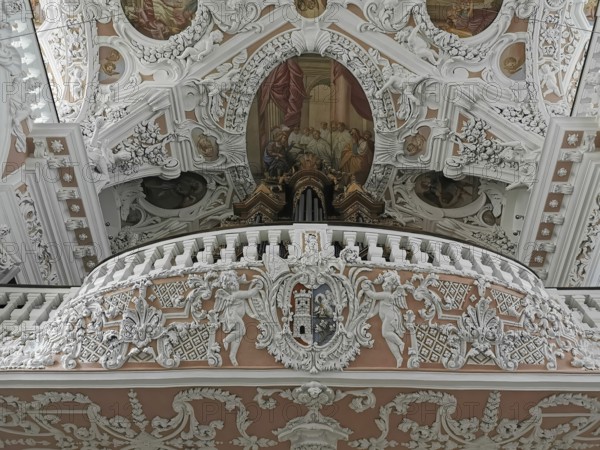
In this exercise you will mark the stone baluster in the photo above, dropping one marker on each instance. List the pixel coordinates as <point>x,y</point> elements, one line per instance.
<point>106,276</point>
<point>190,246</point>
<point>491,265</point>
<point>147,257</point>
<point>228,253</point>
<point>440,259</point>
<point>474,255</point>
<point>166,262</point>
<point>525,280</point>
<point>206,256</point>
<point>509,272</point>
<point>20,315</point>
<point>455,253</point>
<point>578,304</point>
<point>250,251</point>
<point>593,308</point>
<point>126,271</point>
<point>396,253</point>
<point>11,301</point>
<point>272,249</point>
<point>42,312</point>
<point>374,253</point>
<point>350,241</point>
<point>418,257</point>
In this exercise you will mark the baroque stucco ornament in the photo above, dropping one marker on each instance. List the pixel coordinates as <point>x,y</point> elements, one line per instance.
<point>204,417</point>
<point>313,312</point>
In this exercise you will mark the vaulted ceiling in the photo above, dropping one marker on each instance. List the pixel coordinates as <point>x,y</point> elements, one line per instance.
<point>481,114</point>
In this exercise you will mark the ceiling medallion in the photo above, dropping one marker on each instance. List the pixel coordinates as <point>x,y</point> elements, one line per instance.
<point>310,8</point>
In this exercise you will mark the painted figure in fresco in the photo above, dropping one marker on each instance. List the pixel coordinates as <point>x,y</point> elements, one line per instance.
<point>182,192</point>
<point>443,192</point>
<point>388,304</point>
<point>467,17</point>
<point>356,157</point>
<point>340,141</point>
<point>206,148</point>
<point>160,19</point>
<point>275,158</point>
<point>325,133</point>
<point>230,303</point>
<point>321,148</point>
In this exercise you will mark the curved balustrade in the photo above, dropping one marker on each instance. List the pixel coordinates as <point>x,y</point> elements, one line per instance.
<point>312,297</point>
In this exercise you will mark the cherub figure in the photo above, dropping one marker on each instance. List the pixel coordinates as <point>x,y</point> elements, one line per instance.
<point>548,79</point>
<point>388,304</point>
<point>230,304</point>
<point>417,44</point>
<point>202,47</point>
<point>401,81</point>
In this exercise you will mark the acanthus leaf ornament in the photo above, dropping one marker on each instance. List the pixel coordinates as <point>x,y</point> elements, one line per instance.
<point>313,311</point>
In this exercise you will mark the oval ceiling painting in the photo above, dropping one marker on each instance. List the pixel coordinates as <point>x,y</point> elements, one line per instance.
<point>463,18</point>
<point>311,112</point>
<point>160,19</point>
<point>186,190</point>
<point>441,192</point>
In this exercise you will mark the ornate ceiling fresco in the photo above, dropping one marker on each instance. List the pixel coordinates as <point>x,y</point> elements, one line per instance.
<point>209,205</point>
<point>430,116</point>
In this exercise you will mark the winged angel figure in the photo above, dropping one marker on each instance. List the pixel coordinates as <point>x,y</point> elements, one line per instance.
<point>388,303</point>
<point>231,307</point>
<point>401,81</point>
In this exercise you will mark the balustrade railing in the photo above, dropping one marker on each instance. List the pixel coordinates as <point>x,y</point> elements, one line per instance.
<point>251,244</point>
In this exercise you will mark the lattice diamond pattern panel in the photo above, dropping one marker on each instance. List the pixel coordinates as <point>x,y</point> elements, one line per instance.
<point>480,359</point>
<point>142,357</point>
<point>506,302</point>
<point>193,345</point>
<point>118,302</point>
<point>455,292</point>
<point>433,344</point>
<point>529,350</point>
<point>167,293</point>
<point>92,348</point>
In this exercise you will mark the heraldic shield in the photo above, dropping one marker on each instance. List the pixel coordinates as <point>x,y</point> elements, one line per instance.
<point>317,323</point>
<point>314,314</point>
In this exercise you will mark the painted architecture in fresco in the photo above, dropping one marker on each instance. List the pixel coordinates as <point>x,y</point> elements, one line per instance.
<point>311,108</point>
<point>160,19</point>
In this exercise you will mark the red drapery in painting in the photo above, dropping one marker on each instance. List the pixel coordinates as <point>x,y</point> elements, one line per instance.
<point>285,86</point>
<point>358,98</point>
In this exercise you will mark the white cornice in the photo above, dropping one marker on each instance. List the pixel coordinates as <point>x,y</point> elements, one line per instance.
<point>284,377</point>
